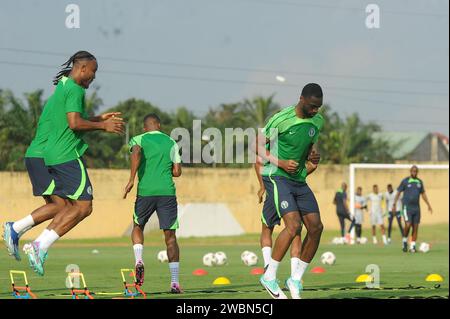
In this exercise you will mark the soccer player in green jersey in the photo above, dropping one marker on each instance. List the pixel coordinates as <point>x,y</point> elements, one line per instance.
<point>155,158</point>
<point>291,135</point>
<point>43,185</point>
<point>64,149</point>
<point>270,219</point>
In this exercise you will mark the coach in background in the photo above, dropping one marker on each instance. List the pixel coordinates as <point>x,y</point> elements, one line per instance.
<point>411,187</point>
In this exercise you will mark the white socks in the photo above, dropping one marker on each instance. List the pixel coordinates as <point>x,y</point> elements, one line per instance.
<point>375,241</point>
<point>405,239</point>
<point>295,269</point>
<point>385,240</point>
<point>47,239</point>
<point>42,235</point>
<point>298,268</point>
<point>267,255</point>
<point>271,272</point>
<point>174,272</point>
<point>301,269</point>
<point>138,250</point>
<point>21,226</point>
<point>412,245</point>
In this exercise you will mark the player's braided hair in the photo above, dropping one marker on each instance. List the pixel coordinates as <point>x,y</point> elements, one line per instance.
<point>68,65</point>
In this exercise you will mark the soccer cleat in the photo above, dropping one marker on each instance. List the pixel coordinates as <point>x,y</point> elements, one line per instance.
<point>273,288</point>
<point>36,257</point>
<point>412,249</point>
<point>375,241</point>
<point>405,247</point>
<point>389,241</point>
<point>175,288</point>
<point>11,239</point>
<point>139,270</point>
<point>295,287</point>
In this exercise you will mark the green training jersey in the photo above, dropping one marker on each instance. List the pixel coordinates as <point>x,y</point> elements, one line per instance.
<point>63,143</point>
<point>37,146</point>
<point>290,139</point>
<point>158,153</point>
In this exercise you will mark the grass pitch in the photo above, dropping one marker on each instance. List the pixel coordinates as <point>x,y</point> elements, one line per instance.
<point>402,274</point>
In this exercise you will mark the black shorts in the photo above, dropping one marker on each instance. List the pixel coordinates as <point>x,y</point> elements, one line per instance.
<point>40,177</point>
<point>165,206</point>
<point>411,214</point>
<point>72,180</point>
<point>283,196</point>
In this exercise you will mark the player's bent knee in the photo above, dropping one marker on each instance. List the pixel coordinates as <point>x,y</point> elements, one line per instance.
<point>316,230</point>
<point>85,209</point>
<point>294,228</point>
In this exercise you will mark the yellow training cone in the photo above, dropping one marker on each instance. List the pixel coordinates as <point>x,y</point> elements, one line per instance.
<point>364,278</point>
<point>221,281</point>
<point>434,277</point>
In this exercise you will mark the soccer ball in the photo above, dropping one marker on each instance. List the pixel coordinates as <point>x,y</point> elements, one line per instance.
<point>221,258</point>
<point>424,247</point>
<point>328,258</point>
<point>162,256</point>
<point>250,259</point>
<point>243,255</point>
<point>209,260</point>
<point>363,240</point>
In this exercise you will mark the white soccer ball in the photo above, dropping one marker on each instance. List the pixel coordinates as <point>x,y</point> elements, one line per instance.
<point>162,256</point>
<point>363,240</point>
<point>209,260</point>
<point>221,258</point>
<point>424,247</point>
<point>251,259</point>
<point>328,258</point>
<point>243,255</point>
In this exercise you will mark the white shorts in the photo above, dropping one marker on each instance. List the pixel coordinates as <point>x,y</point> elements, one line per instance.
<point>359,217</point>
<point>376,218</point>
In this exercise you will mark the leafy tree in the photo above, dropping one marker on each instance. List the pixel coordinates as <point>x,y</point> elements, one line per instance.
<point>350,140</point>
<point>259,109</point>
<point>17,127</point>
<point>343,140</point>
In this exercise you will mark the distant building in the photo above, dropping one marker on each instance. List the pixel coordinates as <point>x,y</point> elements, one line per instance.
<point>417,146</point>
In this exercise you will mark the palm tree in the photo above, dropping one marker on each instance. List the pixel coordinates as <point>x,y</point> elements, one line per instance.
<point>260,109</point>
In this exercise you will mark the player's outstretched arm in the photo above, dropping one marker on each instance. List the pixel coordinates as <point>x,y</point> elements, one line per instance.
<point>111,125</point>
<point>135,160</point>
<point>425,198</point>
<point>105,116</point>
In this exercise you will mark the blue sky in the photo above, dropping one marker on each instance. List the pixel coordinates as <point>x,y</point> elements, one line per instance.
<point>201,53</point>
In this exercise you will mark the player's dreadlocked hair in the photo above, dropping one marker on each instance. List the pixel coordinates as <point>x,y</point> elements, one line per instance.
<point>68,65</point>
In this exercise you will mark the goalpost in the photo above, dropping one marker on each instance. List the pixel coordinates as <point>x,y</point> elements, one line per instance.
<point>354,166</point>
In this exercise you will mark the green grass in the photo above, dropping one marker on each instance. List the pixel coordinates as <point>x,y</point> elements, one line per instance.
<point>402,275</point>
